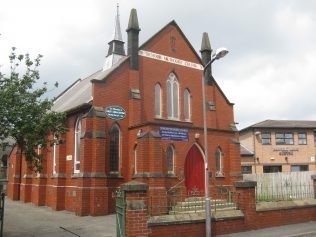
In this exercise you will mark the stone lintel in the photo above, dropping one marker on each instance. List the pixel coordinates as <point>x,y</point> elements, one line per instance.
<point>245,184</point>
<point>134,186</point>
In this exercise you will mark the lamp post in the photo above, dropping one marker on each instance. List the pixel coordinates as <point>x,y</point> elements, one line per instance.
<point>221,52</point>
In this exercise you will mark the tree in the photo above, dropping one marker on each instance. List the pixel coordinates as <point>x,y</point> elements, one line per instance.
<point>25,115</point>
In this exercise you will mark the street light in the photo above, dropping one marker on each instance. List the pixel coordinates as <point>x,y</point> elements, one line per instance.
<point>221,52</point>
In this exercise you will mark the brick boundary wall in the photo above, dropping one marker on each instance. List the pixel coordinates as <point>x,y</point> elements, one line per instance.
<point>249,217</point>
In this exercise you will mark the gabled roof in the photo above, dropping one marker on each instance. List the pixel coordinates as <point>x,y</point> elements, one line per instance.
<point>283,124</point>
<point>80,92</point>
<point>173,23</point>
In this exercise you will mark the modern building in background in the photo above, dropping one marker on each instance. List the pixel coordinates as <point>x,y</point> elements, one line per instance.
<point>140,117</point>
<point>278,146</point>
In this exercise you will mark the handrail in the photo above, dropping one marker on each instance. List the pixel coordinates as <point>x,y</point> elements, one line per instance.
<point>175,186</point>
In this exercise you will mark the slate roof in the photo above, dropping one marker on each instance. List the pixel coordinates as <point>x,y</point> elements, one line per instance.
<point>244,151</point>
<point>80,92</point>
<point>283,124</point>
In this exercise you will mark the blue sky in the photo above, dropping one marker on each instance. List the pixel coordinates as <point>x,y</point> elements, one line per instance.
<point>268,74</point>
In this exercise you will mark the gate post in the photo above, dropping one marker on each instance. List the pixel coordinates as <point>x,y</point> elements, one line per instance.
<point>314,184</point>
<point>136,213</point>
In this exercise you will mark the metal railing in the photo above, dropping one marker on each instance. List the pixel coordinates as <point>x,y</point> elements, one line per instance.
<point>177,200</point>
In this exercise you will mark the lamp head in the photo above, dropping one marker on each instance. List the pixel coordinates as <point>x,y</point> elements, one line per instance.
<point>220,53</point>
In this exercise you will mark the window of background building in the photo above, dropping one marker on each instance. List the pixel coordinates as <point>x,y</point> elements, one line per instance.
<point>157,100</point>
<point>297,168</point>
<point>114,148</point>
<point>266,138</point>
<point>272,168</point>
<point>314,138</point>
<point>173,97</point>
<point>187,106</point>
<point>77,146</point>
<point>247,169</point>
<point>170,159</point>
<point>302,138</point>
<point>284,138</point>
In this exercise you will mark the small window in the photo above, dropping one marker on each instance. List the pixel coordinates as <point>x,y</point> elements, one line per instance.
<point>170,159</point>
<point>266,138</point>
<point>157,100</point>
<point>135,159</point>
<point>77,146</point>
<point>302,138</point>
<point>246,169</point>
<point>187,105</point>
<point>298,168</point>
<point>315,139</point>
<point>284,138</point>
<point>272,169</point>
<point>219,162</point>
<point>54,154</point>
<point>114,148</point>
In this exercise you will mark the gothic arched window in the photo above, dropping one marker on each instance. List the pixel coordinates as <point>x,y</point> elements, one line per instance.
<point>114,148</point>
<point>170,159</point>
<point>157,100</point>
<point>77,146</point>
<point>186,105</point>
<point>172,97</point>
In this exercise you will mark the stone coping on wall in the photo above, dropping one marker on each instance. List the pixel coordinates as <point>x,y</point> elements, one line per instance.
<point>283,205</point>
<point>191,218</point>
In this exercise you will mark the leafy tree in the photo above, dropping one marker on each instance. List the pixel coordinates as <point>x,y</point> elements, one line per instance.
<point>25,115</point>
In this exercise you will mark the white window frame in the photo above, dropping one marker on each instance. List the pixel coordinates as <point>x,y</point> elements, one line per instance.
<point>219,161</point>
<point>187,105</point>
<point>172,152</point>
<point>172,99</point>
<point>77,143</point>
<point>158,100</point>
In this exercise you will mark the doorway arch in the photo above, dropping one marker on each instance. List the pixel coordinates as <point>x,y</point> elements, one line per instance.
<point>194,171</point>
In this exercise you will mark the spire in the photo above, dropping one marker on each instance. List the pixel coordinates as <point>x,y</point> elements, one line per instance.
<point>117,30</point>
<point>116,45</point>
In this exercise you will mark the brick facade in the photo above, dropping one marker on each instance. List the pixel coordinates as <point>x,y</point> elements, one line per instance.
<point>89,192</point>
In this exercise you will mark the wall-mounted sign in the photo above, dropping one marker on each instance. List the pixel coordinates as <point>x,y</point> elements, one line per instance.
<point>176,134</point>
<point>115,112</point>
<point>285,151</point>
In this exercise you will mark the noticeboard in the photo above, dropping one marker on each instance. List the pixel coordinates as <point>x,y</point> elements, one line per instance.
<point>176,134</point>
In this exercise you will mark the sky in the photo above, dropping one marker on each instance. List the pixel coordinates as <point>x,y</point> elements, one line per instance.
<point>269,73</point>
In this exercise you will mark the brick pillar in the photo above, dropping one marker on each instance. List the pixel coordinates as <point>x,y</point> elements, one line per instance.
<point>136,213</point>
<point>247,200</point>
<point>314,179</point>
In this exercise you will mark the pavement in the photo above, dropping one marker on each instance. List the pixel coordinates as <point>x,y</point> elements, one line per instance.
<point>28,220</point>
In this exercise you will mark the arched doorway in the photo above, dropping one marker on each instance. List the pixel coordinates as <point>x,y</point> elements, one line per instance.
<point>194,171</point>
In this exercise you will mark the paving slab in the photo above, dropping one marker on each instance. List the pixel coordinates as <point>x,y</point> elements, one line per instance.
<point>28,220</point>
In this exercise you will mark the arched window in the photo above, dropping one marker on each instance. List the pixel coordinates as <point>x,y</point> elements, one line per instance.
<point>77,145</point>
<point>157,100</point>
<point>114,148</point>
<point>172,97</point>
<point>54,154</point>
<point>170,159</point>
<point>219,162</point>
<point>135,159</point>
<point>187,105</point>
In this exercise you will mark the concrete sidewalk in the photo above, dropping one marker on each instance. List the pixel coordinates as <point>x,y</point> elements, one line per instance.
<point>307,229</point>
<point>28,220</point>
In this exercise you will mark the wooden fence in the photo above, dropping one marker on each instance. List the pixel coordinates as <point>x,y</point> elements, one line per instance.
<point>283,185</point>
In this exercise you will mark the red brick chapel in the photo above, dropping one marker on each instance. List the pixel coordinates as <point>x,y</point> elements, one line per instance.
<point>139,118</point>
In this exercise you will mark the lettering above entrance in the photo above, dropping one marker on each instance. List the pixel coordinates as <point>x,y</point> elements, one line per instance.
<point>168,59</point>
<point>176,134</point>
<point>115,112</point>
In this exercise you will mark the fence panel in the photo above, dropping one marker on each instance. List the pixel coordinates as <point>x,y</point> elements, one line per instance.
<point>283,185</point>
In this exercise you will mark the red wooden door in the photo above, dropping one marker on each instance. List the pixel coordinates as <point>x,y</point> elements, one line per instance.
<point>194,171</point>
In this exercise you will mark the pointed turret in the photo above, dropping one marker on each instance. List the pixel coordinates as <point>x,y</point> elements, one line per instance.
<point>133,39</point>
<point>116,45</point>
<point>206,53</point>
